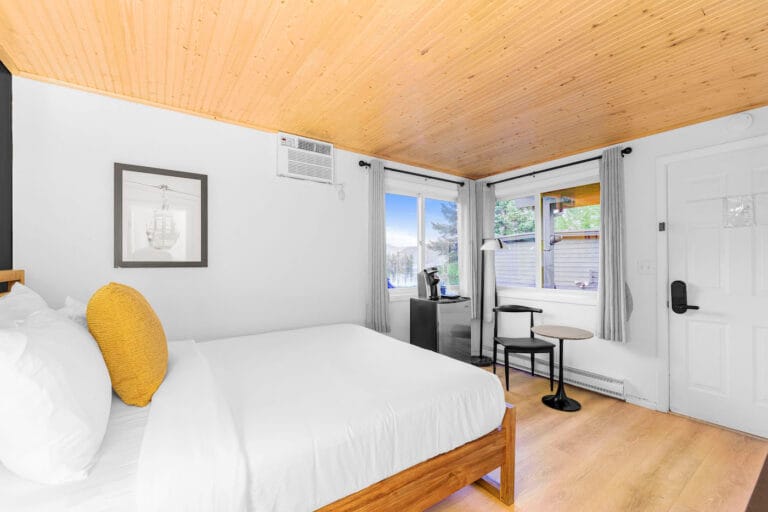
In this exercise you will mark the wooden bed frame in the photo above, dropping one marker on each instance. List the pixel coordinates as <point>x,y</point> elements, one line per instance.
<point>11,277</point>
<point>431,481</point>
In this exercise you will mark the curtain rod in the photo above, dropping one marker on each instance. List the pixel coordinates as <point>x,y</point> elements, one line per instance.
<point>362,163</point>
<point>624,151</point>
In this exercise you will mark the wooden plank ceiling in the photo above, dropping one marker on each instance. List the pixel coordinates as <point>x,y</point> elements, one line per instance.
<point>471,87</point>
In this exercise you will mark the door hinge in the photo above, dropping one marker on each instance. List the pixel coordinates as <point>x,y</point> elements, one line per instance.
<point>662,226</point>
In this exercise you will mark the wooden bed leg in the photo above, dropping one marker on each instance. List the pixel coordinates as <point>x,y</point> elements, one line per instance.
<point>507,484</point>
<point>505,487</point>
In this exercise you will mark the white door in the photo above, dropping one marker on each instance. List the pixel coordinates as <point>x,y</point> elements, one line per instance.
<point>718,245</point>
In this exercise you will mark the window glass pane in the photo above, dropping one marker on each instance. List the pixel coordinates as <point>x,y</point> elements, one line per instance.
<point>402,221</point>
<point>442,240</point>
<point>571,237</point>
<point>514,224</point>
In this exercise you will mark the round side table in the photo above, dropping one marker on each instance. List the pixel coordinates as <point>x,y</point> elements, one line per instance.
<point>560,400</point>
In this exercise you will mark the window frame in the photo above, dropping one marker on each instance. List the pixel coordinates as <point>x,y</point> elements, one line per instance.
<point>421,189</point>
<point>536,186</point>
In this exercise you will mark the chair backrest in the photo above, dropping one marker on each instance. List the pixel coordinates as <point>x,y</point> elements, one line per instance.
<point>512,308</point>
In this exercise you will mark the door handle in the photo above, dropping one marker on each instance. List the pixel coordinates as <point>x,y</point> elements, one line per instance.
<point>679,294</point>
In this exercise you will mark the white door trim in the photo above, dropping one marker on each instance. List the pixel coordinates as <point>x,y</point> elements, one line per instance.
<point>662,262</point>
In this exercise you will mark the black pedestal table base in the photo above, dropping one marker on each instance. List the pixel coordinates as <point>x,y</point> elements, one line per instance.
<point>560,400</point>
<point>481,361</point>
<point>561,403</point>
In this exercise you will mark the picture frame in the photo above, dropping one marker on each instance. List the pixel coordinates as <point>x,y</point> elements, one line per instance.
<point>160,216</point>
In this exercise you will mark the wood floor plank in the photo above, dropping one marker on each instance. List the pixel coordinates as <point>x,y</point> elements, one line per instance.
<point>613,456</point>
<point>726,478</point>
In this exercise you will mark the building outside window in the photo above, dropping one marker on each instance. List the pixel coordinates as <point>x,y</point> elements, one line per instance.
<point>515,225</point>
<point>552,237</point>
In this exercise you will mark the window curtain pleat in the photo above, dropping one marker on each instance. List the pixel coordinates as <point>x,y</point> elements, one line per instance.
<point>613,291</point>
<point>377,310</point>
<point>470,230</point>
<point>486,204</point>
<point>468,247</point>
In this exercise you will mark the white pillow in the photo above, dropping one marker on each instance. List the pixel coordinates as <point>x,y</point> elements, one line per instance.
<point>18,305</point>
<point>55,396</point>
<point>75,311</point>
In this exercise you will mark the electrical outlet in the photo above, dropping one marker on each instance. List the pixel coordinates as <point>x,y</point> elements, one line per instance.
<point>646,267</point>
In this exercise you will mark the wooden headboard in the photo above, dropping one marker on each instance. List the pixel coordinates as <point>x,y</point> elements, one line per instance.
<point>11,277</point>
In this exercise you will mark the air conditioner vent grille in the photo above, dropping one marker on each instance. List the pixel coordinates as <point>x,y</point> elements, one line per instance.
<point>308,158</point>
<point>305,159</point>
<point>296,169</point>
<point>315,147</point>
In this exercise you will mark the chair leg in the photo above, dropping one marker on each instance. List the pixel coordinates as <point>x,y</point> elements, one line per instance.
<point>495,346</point>
<point>551,370</point>
<point>506,367</point>
<point>532,364</point>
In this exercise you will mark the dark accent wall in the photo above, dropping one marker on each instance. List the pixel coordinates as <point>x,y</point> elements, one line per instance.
<point>6,169</point>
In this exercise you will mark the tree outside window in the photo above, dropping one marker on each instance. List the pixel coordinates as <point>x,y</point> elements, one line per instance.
<point>406,256</point>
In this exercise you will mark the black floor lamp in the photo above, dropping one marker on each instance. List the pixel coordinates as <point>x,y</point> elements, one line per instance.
<point>489,244</point>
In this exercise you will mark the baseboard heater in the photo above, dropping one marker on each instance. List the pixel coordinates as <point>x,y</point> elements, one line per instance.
<point>581,378</point>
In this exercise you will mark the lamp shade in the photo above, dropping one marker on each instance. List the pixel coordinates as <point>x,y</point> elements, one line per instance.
<point>491,244</point>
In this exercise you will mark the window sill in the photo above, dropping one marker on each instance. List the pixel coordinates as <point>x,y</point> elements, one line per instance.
<point>584,298</point>
<point>406,294</point>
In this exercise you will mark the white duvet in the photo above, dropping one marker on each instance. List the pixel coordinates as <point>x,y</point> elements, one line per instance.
<point>326,411</point>
<point>294,420</point>
<point>191,458</point>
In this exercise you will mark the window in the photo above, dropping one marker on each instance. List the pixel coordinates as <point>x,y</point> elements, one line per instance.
<point>442,239</point>
<point>402,240</point>
<point>515,225</point>
<point>552,237</point>
<point>421,232</point>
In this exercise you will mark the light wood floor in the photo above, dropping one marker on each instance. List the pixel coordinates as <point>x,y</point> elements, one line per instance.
<point>615,457</point>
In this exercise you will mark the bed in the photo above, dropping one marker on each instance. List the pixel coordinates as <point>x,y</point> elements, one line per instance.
<point>332,418</point>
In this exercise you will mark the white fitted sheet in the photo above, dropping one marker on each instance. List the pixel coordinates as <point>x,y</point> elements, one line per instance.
<point>326,411</point>
<point>110,486</point>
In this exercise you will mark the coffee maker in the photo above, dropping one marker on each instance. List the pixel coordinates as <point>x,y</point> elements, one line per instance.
<point>427,281</point>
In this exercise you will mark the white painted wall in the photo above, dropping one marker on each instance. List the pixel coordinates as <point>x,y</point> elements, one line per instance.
<point>282,253</point>
<point>400,318</point>
<point>640,361</point>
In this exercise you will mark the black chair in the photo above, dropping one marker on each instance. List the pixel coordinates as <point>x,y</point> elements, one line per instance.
<point>528,345</point>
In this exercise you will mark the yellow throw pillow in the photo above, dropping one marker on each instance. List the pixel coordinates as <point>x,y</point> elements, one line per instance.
<point>131,339</point>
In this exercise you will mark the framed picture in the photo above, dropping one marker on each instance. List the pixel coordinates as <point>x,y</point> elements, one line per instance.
<point>161,217</point>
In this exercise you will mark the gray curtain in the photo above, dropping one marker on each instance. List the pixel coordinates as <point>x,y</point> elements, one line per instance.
<point>468,247</point>
<point>486,203</point>
<point>377,308</point>
<point>477,203</point>
<point>470,229</point>
<point>613,292</point>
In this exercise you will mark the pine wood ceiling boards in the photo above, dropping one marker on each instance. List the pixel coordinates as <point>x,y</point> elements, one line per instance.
<point>472,87</point>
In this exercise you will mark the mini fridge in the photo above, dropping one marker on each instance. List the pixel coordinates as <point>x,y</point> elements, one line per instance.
<point>442,325</point>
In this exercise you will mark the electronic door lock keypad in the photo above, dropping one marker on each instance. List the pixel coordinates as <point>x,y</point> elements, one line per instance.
<point>679,292</point>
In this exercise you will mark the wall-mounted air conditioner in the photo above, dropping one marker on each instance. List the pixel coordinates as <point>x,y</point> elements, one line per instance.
<point>302,158</point>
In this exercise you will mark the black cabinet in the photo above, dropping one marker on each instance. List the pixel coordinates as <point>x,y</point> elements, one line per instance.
<point>442,325</point>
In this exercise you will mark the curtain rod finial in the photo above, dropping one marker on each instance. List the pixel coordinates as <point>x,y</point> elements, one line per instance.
<point>363,163</point>
<point>626,151</point>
